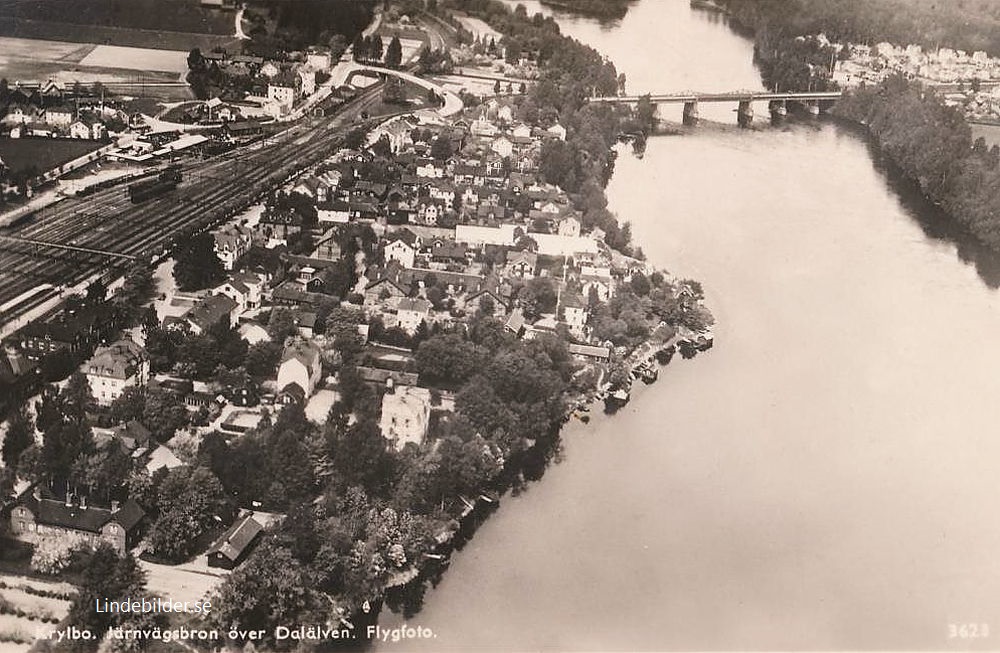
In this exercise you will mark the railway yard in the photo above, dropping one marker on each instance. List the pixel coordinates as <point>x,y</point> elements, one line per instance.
<point>211,191</point>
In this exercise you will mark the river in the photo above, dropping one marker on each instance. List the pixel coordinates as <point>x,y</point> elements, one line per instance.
<point>826,477</point>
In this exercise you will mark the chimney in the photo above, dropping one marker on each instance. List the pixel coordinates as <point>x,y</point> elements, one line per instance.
<point>114,506</point>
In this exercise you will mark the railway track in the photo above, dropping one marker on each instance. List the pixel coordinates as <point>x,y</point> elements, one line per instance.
<point>213,191</point>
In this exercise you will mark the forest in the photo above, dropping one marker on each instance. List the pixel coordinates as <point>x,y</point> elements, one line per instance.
<point>932,145</point>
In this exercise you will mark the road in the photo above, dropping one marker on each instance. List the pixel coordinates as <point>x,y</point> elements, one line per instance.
<point>212,190</point>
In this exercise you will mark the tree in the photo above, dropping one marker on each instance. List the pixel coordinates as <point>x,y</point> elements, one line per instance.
<point>394,54</point>
<point>394,92</point>
<point>198,266</point>
<point>449,359</point>
<point>20,435</point>
<point>105,577</point>
<point>269,590</point>
<point>195,61</point>
<point>189,501</point>
<point>441,148</point>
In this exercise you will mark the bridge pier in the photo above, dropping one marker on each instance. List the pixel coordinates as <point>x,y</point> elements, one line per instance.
<point>690,113</point>
<point>812,106</point>
<point>744,114</point>
<point>779,110</point>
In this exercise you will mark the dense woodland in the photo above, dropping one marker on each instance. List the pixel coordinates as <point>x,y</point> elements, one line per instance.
<point>596,8</point>
<point>932,145</point>
<point>965,24</point>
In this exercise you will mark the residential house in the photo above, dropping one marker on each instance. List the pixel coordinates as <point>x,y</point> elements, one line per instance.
<point>307,80</point>
<point>411,312</point>
<point>36,518</point>
<point>383,291</point>
<point>300,365</point>
<point>211,311</point>
<point>235,544</point>
<point>522,264</point>
<point>569,226</point>
<point>502,146</point>
<point>284,89</point>
<point>231,243</point>
<point>399,250</point>
<point>405,415</point>
<point>113,368</point>
<point>558,131</point>
<point>575,313</point>
<point>60,116</point>
<point>487,302</point>
<point>245,288</point>
<point>79,129</point>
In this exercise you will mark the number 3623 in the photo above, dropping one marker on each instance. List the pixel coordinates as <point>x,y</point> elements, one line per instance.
<point>968,631</point>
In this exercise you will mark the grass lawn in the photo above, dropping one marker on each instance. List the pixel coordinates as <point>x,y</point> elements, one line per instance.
<point>43,153</point>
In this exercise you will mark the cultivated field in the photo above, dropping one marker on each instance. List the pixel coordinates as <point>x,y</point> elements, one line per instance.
<point>25,612</point>
<point>37,60</point>
<point>43,153</point>
<point>115,56</point>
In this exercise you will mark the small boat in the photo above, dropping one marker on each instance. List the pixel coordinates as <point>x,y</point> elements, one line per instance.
<point>616,399</point>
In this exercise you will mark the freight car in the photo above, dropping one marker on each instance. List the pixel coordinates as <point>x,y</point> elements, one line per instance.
<point>165,181</point>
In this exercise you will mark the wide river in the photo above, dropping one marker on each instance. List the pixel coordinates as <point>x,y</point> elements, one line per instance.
<point>827,477</point>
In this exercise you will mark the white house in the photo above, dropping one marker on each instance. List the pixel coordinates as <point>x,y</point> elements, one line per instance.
<point>231,243</point>
<point>569,227</point>
<point>79,129</point>
<point>245,289</point>
<point>558,131</point>
<point>502,146</point>
<point>307,79</point>
<point>318,60</point>
<point>301,365</point>
<point>411,312</point>
<point>406,414</point>
<point>399,250</point>
<point>113,368</point>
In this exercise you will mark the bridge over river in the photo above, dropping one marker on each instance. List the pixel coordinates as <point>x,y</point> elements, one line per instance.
<point>812,101</point>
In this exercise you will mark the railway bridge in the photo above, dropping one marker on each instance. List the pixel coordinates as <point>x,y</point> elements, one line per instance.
<point>813,101</point>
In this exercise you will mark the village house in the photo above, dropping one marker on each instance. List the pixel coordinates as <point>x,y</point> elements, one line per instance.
<point>113,368</point>
<point>235,544</point>
<point>522,264</point>
<point>411,312</point>
<point>300,365</point>
<point>574,310</point>
<point>399,250</point>
<point>231,243</point>
<point>207,313</point>
<point>284,89</point>
<point>405,415</point>
<point>36,517</point>
<point>246,289</point>
<point>61,116</point>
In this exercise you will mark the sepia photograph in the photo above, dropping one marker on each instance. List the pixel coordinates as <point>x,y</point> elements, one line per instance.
<point>499,326</point>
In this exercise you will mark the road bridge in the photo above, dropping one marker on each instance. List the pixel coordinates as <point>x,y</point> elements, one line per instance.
<point>813,101</point>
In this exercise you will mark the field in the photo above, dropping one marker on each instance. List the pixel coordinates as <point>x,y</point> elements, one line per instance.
<point>116,56</point>
<point>43,153</point>
<point>24,613</point>
<point>36,60</point>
